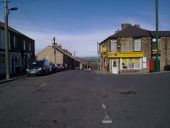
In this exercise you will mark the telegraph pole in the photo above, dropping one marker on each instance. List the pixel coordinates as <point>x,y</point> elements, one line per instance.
<point>157,36</point>
<point>6,12</point>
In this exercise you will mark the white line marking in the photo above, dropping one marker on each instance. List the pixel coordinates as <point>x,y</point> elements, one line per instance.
<point>42,85</point>
<point>103,106</point>
<point>107,119</point>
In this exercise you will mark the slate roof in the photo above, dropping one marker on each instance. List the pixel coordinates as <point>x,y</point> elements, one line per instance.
<point>136,32</point>
<point>131,31</point>
<point>2,25</point>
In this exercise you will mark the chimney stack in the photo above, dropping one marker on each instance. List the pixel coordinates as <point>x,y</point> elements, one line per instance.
<point>125,25</point>
<point>137,25</point>
<point>55,45</point>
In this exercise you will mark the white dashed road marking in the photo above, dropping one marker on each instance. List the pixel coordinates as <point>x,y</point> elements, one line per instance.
<point>107,119</point>
<point>103,106</point>
<point>43,85</point>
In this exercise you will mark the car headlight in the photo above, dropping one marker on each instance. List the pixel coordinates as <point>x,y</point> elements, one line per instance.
<point>39,69</point>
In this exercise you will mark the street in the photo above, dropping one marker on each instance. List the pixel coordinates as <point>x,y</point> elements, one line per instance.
<point>86,99</point>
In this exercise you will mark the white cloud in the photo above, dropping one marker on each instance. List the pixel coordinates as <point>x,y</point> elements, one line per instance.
<point>83,44</point>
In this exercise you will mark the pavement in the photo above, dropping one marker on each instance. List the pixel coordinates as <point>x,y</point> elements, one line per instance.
<point>86,99</point>
<point>12,79</point>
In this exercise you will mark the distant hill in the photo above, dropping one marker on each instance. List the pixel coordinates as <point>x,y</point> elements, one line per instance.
<point>93,61</point>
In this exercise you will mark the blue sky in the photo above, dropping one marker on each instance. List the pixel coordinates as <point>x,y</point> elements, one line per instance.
<point>79,24</point>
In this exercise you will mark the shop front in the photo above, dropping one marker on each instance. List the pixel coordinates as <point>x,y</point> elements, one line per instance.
<point>121,62</point>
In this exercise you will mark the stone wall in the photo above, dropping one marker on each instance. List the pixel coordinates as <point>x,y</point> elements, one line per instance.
<point>164,52</point>
<point>48,54</point>
<point>107,45</point>
<point>146,48</point>
<point>126,44</point>
<point>168,50</point>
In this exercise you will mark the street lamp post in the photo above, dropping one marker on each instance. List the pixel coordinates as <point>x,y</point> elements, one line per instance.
<point>6,13</point>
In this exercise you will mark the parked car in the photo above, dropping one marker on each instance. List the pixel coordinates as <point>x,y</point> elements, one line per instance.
<point>53,68</point>
<point>60,67</point>
<point>38,68</point>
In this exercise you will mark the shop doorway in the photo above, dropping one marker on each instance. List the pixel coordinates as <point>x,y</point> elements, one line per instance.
<point>114,66</point>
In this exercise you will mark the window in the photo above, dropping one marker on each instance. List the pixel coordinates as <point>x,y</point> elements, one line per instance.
<point>29,46</point>
<point>17,60</point>
<point>137,45</point>
<point>14,41</point>
<point>114,45</point>
<point>155,45</point>
<point>24,45</point>
<point>133,63</point>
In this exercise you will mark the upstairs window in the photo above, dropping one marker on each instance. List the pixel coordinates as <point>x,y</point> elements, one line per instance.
<point>114,45</point>
<point>24,45</point>
<point>30,46</point>
<point>137,45</point>
<point>14,41</point>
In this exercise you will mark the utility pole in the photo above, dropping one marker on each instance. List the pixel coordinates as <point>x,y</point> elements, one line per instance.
<point>157,36</point>
<point>6,12</point>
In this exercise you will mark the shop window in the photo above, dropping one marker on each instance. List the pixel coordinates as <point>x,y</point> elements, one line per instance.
<point>134,63</point>
<point>137,45</point>
<point>114,45</point>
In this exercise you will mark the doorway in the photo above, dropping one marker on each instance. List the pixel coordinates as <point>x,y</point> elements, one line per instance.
<point>114,66</point>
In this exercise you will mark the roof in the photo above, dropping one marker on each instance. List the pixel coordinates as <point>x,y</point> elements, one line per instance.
<point>135,32</point>
<point>69,55</point>
<point>2,25</point>
<point>131,31</point>
<point>161,33</point>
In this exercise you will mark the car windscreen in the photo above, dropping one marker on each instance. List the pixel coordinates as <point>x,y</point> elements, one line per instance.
<point>40,63</point>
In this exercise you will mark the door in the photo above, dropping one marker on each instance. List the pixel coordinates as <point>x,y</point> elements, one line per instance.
<point>114,66</point>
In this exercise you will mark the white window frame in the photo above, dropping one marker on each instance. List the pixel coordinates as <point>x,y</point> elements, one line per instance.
<point>137,45</point>
<point>140,67</point>
<point>114,45</point>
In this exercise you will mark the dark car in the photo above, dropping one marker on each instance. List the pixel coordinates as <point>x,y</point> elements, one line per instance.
<point>38,68</point>
<point>53,68</point>
<point>60,67</point>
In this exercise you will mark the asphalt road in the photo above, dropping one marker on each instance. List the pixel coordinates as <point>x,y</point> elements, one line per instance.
<point>86,99</point>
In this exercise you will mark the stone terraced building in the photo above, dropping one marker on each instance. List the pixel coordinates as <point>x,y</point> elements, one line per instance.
<point>132,48</point>
<point>56,54</point>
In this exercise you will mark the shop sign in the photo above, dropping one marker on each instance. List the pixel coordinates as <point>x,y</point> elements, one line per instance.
<point>124,54</point>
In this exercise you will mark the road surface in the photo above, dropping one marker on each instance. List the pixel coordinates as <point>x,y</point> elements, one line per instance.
<point>86,99</point>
